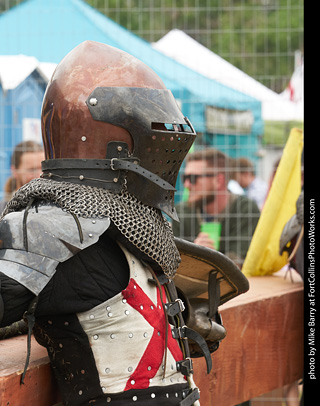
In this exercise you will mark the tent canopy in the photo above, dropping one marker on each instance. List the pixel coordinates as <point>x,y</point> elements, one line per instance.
<point>49,29</point>
<point>184,49</point>
<point>14,69</point>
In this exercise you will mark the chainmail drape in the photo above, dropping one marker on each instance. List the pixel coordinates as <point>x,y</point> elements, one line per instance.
<point>144,226</point>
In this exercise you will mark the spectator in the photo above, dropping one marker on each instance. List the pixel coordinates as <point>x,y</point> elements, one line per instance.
<point>207,176</point>
<point>233,185</point>
<point>255,188</point>
<point>25,166</point>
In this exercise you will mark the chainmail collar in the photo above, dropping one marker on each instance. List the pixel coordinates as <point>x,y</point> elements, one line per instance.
<point>143,226</point>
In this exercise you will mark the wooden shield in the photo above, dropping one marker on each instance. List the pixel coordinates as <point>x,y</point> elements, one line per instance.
<point>197,262</point>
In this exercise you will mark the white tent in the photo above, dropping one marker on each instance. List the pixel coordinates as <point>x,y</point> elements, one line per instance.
<point>184,49</point>
<point>14,69</point>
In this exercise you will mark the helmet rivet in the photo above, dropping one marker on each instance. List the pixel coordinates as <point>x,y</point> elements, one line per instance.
<point>115,180</point>
<point>119,148</point>
<point>93,101</point>
<point>81,177</point>
<point>83,138</point>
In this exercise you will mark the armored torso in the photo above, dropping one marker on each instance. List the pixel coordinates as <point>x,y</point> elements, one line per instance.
<point>127,336</point>
<point>128,354</point>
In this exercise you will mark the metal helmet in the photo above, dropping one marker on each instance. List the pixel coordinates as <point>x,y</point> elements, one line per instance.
<point>109,121</point>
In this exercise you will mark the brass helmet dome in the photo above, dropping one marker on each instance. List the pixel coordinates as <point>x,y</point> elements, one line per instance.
<point>108,121</point>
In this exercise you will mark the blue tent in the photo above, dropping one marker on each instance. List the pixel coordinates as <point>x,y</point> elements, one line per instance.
<point>49,29</point>
<point>20,105</point>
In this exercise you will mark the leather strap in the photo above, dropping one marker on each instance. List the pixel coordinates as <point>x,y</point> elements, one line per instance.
<point>86,170</point>
<point>30,319</point>
<point>179,321</point>
<point>173,308</point>
<point>213,293</point>
<point>186,332</point>
<point>185,367</point>
<point>162,279</point>
<point>193,396</point>
<point>123,164</point>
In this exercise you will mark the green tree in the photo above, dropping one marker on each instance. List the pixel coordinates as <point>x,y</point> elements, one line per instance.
<point>260,37</point>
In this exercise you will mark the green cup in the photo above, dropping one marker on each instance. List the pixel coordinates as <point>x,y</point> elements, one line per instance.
<point>214,230</point>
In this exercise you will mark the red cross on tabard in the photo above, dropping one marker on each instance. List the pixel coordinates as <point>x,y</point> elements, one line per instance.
<point>152,358</point>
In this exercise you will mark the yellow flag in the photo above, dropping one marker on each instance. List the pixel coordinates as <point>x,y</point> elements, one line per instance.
<point>263,256</point>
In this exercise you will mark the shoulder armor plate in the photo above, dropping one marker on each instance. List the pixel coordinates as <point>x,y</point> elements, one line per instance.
<point>32,244</point>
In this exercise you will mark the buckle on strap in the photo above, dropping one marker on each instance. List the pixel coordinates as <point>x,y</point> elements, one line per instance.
<point>162,279</point>
<point>185,366</point>
<point>187,333</point>
<point>173,308</point>
<point>192,397</point>
<point>179,332</point>
<point>131,164</point>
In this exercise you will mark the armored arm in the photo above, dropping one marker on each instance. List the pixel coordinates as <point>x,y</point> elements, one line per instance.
<point>205,280</point>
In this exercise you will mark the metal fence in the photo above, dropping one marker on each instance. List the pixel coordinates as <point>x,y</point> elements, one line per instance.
<point>241,83</point>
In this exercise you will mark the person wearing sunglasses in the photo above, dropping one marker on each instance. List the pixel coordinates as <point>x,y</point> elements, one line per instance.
<point>206,176</point>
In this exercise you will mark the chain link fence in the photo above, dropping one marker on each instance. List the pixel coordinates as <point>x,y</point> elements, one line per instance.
<point>239,78</point>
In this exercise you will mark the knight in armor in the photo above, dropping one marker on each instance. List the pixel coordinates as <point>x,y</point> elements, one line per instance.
<point>87,256</point>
